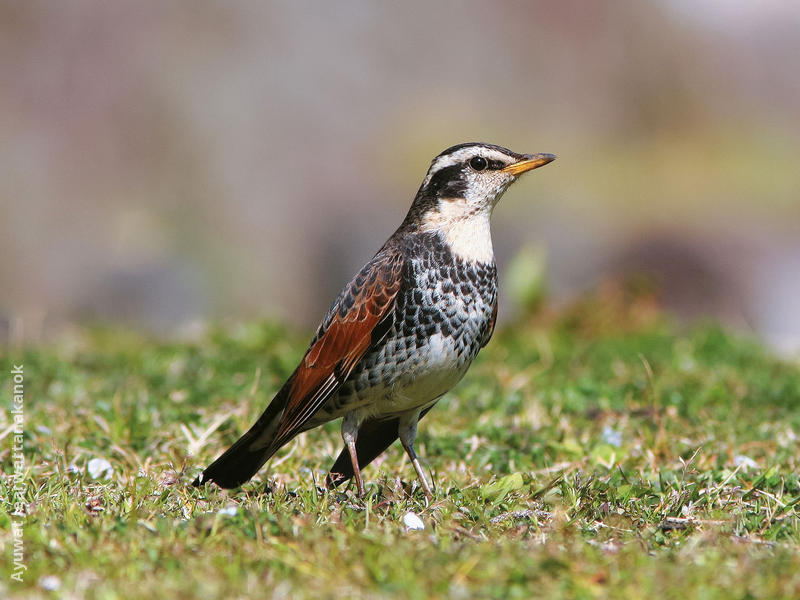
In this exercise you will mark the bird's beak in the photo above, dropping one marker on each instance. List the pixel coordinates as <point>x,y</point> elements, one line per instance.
<point>528,163</point>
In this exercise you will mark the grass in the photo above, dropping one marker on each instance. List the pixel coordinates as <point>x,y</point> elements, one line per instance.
<point>597,452</point>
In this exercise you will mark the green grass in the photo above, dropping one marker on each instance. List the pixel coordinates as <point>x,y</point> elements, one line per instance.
<point>594,453</point>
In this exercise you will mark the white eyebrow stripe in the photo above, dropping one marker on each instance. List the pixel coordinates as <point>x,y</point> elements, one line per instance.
<point>459,156</point>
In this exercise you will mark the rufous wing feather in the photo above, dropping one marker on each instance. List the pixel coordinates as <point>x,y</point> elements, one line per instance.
<point>360,319</point>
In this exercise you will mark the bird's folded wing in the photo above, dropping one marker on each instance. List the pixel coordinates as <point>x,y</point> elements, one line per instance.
<point>490,328</point>
<point>358,320</point>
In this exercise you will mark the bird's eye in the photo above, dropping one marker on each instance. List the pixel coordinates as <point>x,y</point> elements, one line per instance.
<point>478,163</point>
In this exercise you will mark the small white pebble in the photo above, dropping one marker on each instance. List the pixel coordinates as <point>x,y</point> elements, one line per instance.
<point>178,395</point>
<point>228,511</point>
<point>49,582</point>
<point>99,468</point>
<point>413,522</point>
<point>745,462</point>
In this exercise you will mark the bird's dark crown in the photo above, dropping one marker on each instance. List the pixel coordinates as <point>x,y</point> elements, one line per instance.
<point>478,146</point>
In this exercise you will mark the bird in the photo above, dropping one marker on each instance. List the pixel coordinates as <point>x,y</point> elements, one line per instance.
<point>402,332</point>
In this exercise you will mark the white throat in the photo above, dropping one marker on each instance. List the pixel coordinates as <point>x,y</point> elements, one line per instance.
<point>468,234</point>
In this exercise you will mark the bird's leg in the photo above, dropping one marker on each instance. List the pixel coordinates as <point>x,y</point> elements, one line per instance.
<point>407,431</point>
<point>349,435</point>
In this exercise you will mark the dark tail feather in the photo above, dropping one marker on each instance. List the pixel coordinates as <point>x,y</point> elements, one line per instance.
<point>237,465</point>
<point>247,455</point>
<point>373,438</point>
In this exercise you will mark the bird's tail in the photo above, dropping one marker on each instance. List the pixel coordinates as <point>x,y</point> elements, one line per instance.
<point>242,460</point>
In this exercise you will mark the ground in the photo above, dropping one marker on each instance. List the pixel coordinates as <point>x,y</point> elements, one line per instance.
<point>599,451</point>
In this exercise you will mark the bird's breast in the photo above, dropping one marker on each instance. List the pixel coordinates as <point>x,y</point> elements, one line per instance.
<point>441,320</point>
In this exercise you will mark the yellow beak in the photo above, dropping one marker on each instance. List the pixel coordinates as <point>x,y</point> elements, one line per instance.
<point>530,162</point>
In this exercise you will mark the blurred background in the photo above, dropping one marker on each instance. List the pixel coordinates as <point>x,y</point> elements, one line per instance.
<point>164,164</point>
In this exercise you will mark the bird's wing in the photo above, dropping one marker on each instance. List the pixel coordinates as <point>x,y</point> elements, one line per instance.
<point>490,328</point>
<point>359,319</point>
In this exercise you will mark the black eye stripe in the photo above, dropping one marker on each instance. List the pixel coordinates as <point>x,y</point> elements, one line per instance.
<point>451,181</point>
<point>448,182</point>
<point>479,163</point>
<point>496,165</point>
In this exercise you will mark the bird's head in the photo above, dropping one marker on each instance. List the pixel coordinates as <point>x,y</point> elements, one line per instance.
<point>464,183</point>
<point>469,179</point>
